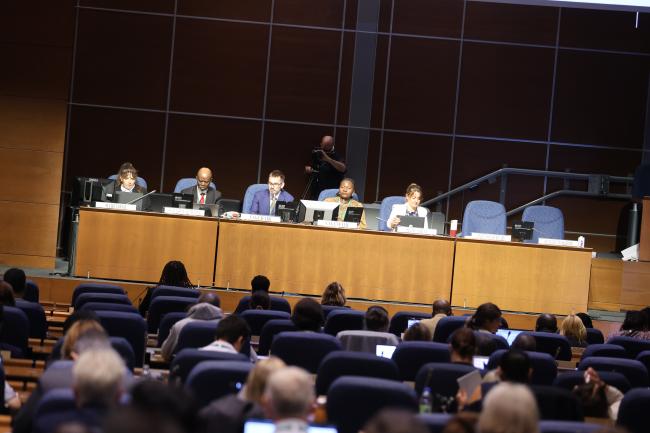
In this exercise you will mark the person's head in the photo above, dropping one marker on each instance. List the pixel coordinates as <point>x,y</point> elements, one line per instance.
<point>462,422</point>
<point>175,274</point>
<point>634,321</point>
<point>260,282</point>
<point>441,306</point>
<point>573,327</point>
<point>586,320</point>
<point>524,341</point>
<point>546,323</point>
<point>128,176</point>
<point>210,298</point>
<point>164,406</point>
<point>592,398</point>
<point>260,300</point>
<point>92,339</point>
<point>462,345</point>
<point>289,393</point>
<point>417,332</point>
<point>203,178</point>
<point>78,328</point>
<point>413,196</point>
<point>7,295</point>
<point>376,319</point>
<point>334,294</point>
<point>16,279</point>
<point>486,317</point>
<point>646,311</point>
<point>514,366</point>
<point>234,330</point>
<point>509,408</point>
<point>258,377</point>
<point>346,188</point>
<point>327,143</point>
<point>77,316</point>
<point>276,182</point>
<point>98,376</point>
<point>308,315</point>
<point>394,421</point>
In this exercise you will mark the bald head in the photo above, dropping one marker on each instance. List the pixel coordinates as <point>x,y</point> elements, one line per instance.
<point>327,143</point>
<point>203,178</point>
<point>441,306</point>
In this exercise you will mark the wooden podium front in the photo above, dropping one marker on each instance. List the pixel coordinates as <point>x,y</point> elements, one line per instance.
<point>644,239</point>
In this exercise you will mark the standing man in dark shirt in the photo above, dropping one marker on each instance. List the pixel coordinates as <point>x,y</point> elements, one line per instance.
<point>327,167</point>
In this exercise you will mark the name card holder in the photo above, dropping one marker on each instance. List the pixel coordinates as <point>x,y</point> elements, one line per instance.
<point>337,224</point>
<point>417,230</point>
<point>489,237</point>
<point>558,242</point>
<point>183,211</point>
<point>118,206</point>
<point>264,218</point>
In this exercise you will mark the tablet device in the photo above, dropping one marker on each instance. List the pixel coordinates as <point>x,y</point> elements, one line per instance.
<point>411,221</point>
<point>509,334</point>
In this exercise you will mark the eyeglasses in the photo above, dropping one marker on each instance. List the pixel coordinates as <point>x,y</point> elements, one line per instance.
<point>275,184</point>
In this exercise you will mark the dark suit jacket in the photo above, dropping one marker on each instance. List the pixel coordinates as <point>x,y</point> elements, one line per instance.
<point>210,198</point>
<point>260,204</point>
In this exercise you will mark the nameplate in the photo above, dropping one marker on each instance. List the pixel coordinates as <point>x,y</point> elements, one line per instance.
<point>337,224</point>
<point>184,212</point>
<point>417,230</point>
<point>558,242</point>
<point>119,206</point>
<point>489,237</point>
<point>265,218</point>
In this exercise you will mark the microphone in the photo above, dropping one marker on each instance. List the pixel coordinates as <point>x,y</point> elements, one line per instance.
<point>140,198</point>
<point>382,220</point>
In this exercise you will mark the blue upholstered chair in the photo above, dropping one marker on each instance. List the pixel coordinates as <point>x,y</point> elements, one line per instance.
<point>399,321</point>
<point>446,326</point>
<point>327,309</point>
<point>633,370</point>
<point>95,288</point>
<point>196,334</point>
<point>549,222</point>
<point>186,359</point>
<point>595,336</point>
<point>55,400</point>
<point>487,343</point>
<point>36,316</point>
<point>210,380</point>
<point>569,379</point>
<point>111,298</point>
<point>332,193</point>
<point>166,324</point>
<point>270,330</point>
<point>248,196</point>
<point>441,377</point>
<point>304,349</point>
<point>555,403</point>
<point>633,346</point>
<point>175,291</point>
<point>553,426</point>
<point>644,358</point>
<point>555,345</point>
<point>31,291</point>
<point>187,182</point>
<point>277,303</point>
<point>256,319</point>
<point>609,350</point>
<point>162,305</point>
<point>140,181</point>
<point>344,363</point>
<point>633,412</point>
<point>130,326</point>
<point>109,306</point>
<point>543,364</point>
<point>15,330</point>
<point>410,356</point>
<point>123,347</point>
<point>385,209</point>
<point>353,400</point>
<point>482,216</point>
<point>343,320</point>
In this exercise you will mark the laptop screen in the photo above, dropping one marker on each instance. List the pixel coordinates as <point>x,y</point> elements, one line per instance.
<point>259,426</point>
<point>412,322</point>
<point>509,334</point>
<point>385,351</point>
<point>411,221</point>
<point>480,362</point>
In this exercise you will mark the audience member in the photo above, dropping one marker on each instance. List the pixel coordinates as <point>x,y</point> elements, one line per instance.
<point>288,399</point>
<point>546,323</point>
<point>78,329</point>
<point>76,316</point>
<point>586,320</point>
<point>7,295</point>
<point>375,332</point>
<point>524,342</point>
<point>173,274</point>
<point>308,315</point>
<point>487,318</point>
<point>634,326</point>
<point>205,310</point>
<point>598,399</point>
<point>17,280</point>
<point>232,332</point>
<point>376,319</point>
<point>462,346</point>
<point>514,366</point>
<point>574,330</point>
<point>440,308</point>
<point>417,332</point>
<point>228,414</point>
<point>509,408</point>
<point>258,283</point>
<point>260,300</point>
<point>334,294</point>
<point>394,421</point>
<point>462,422</point>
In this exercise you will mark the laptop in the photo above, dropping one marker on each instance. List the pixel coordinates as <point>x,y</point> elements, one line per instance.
<point>128,197</point>
<point>384,350</point>
<point>353,215</point>
<point>412,221</point>
<point>267,426</point>
<point>159,201</point>
<point>210,209</point>
<point>412,322</point>
<point>510,334</point>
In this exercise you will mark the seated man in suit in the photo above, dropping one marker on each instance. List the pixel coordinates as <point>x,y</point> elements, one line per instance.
<point>264,201</point>
<point>203,193</point>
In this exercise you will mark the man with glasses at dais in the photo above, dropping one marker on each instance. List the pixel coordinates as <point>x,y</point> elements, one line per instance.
<point>264,201</point>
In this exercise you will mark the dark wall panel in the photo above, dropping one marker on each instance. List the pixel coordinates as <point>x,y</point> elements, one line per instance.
<point>322,13</point>
<point>39,22</point>
<point>255,10</point>
<point>429,18</point>
<point>160,6</point>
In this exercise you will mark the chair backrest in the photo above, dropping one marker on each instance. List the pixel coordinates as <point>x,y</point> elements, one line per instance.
<point>446,326</point>
<point>36,316</point>
<point>641,182</point>
<point>553,426</point>
<point>130,326</point>
<point>385,209</point>
<point>633,412</point>
<point>256,319</point>
<point>343,363</point>
<point>15,329</point>
<point>543,364</point>
<point>595,336</point>
<point>31,291</point>
<point>109,306</point>
<point>55,400</point>
<point>399,321</point>
<point>196,334</point>
<point>186,359</point>
<point>358,340</point>
<point>633,370</point>
<point>327,309</point>
<point>277,304</point>
<point>353,400</point>
<point>304,349</point>
<point>556,403</point>
<point>441,377</point>
<point>343,320</point>
<point>644,358</point>
<point>270,330</point>
<point>174,291</point>
<point>210,380</point>
<point>95,288</point>
<point>435,422</point>
<point>549,222</point>
<point>248,196</point>
<point>140,181</point>
<point>410,356</point>
<point>187,182</point>
<point>123,347</point>
<point>483,216</point>
<point>162,305</point>
<point>555,345</point>
<point>569,379</point>
<point>166,324</point>
<point>487,343</point>
<point>633,346</point>
<point>100,297</point>
<point>609,350</point>
<point>332,193</point>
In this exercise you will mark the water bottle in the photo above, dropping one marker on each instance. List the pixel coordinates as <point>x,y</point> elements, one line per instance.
<point>581,241</point>
<point>425,401</point>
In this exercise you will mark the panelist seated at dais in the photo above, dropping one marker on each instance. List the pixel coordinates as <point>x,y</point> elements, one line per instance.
<point>264,202</point>
<point>126,181</point>
<point>345,201</point>
<point>411,207</point>
<point>202,192</point>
